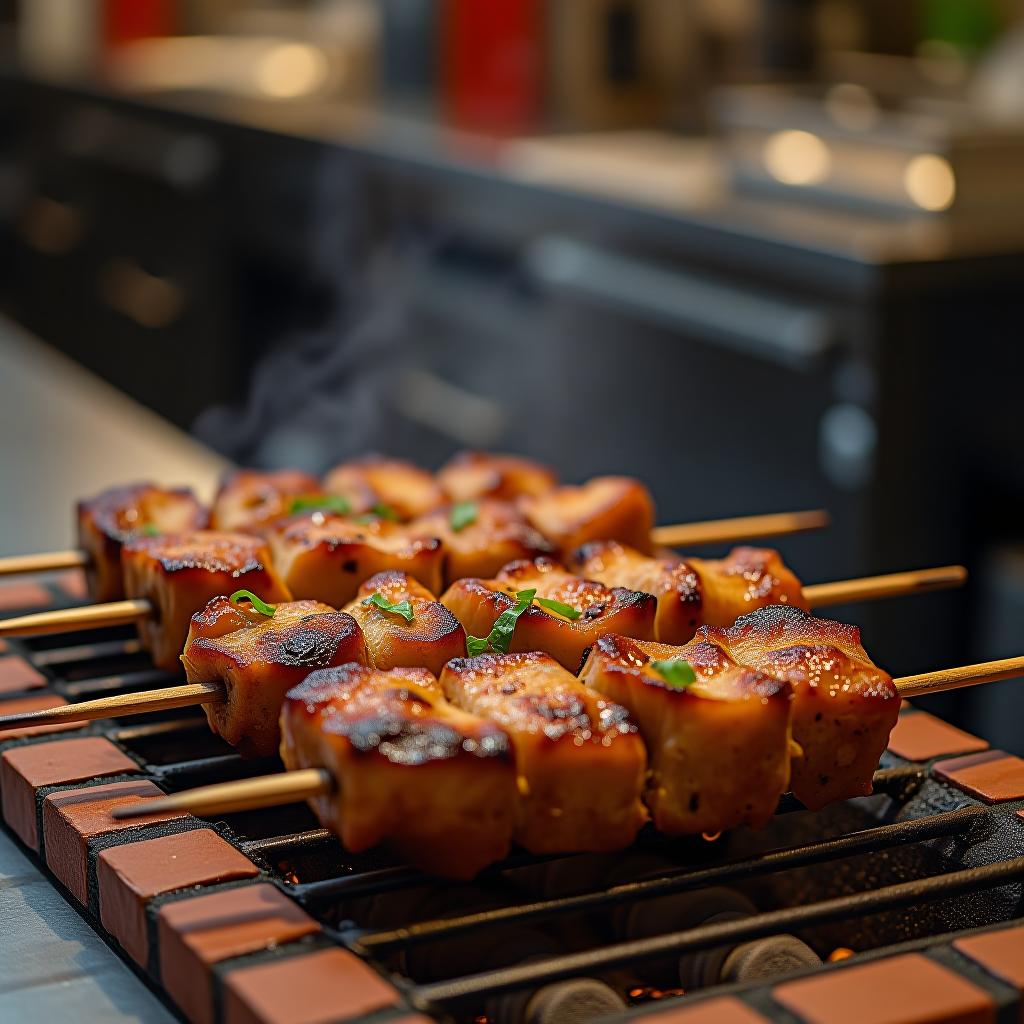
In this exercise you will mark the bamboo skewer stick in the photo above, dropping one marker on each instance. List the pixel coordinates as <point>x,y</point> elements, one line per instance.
<point>286,787</point>
<point>47,561</point>
<point>67,620</point>
<point>723,531</point>
<point>894,584</point>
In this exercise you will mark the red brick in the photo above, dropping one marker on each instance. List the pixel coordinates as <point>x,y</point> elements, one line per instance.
<point>37,702</point>
<point>23,770</point>
<point>196,933</point>
<point>1001,953</point>
<point>992,776</point>
<point>130,876</point>
<point>24,594</point>
<point>74,585</point>
<point>3,646</point>
<point>919,736</point>
<point>724,1010</point>
<point>72,818</point>
<point>909,989</point>
<point>17,674</point>
<point>328,985</point>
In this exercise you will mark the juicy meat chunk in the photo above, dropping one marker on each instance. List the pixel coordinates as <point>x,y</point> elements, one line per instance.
<point>605,508</point>
<point>111,519</point>
<point>718,750</point>
<point>497,535</point>
<point>373,481</point>
<point>432,638</point>
<point>179,572</point>
<point>470,475</point>
<point>478,603</point>
<point>248,499</point>
<point>579,759</point>
<point>326,557</point>
<point>844,705</point>
<point>433,782</point>
<point>259,658</point>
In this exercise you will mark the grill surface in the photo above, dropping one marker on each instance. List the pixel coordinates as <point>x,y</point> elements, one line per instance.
<point>913,869</point>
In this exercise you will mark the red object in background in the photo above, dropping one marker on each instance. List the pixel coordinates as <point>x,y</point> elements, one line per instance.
<point>492,63</point>
<point>127,20</point>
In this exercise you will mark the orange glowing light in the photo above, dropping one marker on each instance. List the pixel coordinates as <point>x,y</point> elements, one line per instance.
<point>710,837</point>
<point>840,953</point>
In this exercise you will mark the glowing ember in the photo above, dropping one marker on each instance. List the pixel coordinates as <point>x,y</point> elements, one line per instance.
<point>647,994</point>
<point>840,953</point>
<point>710,837</point>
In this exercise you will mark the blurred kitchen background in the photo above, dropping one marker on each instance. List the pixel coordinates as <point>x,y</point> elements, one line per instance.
<point>764,254</point>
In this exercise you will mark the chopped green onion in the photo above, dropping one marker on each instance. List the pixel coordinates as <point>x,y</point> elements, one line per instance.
<point>463,514</point>
<point>500,637</point>
<point>150,530</point>
<point>385,512</point>
<point>403,608</point>
<point>560,609</point>
<point>677,672</point>
<point>325,503</point>
<point>258,603</point>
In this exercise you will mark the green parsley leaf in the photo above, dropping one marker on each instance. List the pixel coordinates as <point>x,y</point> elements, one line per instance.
<point>403,608</point>
<point>385,512</point>
<point>500,636</point>
<point>677,672</point>
<point>258,603</point>
<point>463,514</point>
<point>476,645</point>
<point>566,610</point>
<point>324,503</point>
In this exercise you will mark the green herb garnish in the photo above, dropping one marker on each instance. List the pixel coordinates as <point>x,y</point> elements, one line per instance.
<point>677,672</point>
<point>463,514</point>
<point>403,608</point>
<point>385,512</point>
<point>561,609</point>
<point>150,530</point>
<point>258,603</point>
<point>325,503</point>
<point>500,636</point>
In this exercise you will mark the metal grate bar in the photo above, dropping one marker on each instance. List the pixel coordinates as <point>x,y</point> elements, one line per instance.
<point>557,968</point>
<point>225,765</point>
<point>111,684</point>
<point>59,656</point>
<point>127,733</point>
<point>918,830</point>
<point>295,841</point>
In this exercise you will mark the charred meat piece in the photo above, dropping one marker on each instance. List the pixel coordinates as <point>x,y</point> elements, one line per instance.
<point>427,635</point>
<point>693,591</point>
<point>259,658</point>
<point>326,557</point>
<point>375,482</point>
<point>471,475</point>
<point>605,508</point>
<point>844,705</point>
<point>248,500</point>
<point>111,519</point>
<point>579,760</point>
<point>478,603</point>
<point>179,572</point>
<point>433,782</point>
<point>495,535</point>
<point>718,749</point>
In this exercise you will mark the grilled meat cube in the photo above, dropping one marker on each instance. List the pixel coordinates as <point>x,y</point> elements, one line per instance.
<point>844,706</point>
<point>259,658</point>
<point>579,759</point>
<point>718,750</point>
<point>179,572</point>
<point>105,523</point>
<point>373,481</point>
<point>478,603</point>
<point>496,536</point>
<point>471,475</point>
<point>248,499</point>
<point>605,508</point>
<point>433,782</point>
<point>693,591</point>
<point>327,557</point>
<point>431,639</point>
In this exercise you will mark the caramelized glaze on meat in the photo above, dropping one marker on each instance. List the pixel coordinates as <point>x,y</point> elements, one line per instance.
<point>693,591</point>
<point>605,508</point>
<point>580,762</point>
<point>178,573</point>
<point>718,751</point>
<point>432,638</point>
<point>373,480</point>
<point>433,782</point>
<point>498,535</point>
<point>249,499</point>
<point>844,705</point>
<point>327,557</point>
<point>259,658</point>
<point>471,475</point>
<point>105,523</point>
<point>478,603</point>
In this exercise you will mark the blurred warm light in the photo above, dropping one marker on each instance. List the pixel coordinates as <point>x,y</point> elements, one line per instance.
<point>291,70</point>
<point>852,106</point>
<point>797,157</point>
<point>930,182</point>
<point>941,62</point>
